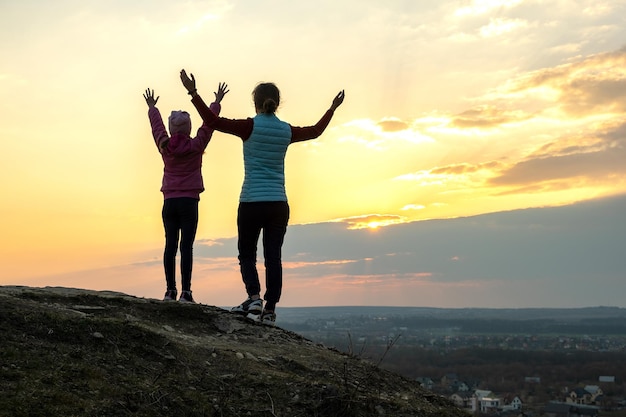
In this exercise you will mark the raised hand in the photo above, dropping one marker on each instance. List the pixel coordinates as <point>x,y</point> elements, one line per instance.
<point>222,89</point>
<point>338,100</point>
<point>188,83</point>
<point>149,96</point>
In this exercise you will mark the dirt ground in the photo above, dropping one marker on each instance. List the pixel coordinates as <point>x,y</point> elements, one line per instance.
<point>71,352</point>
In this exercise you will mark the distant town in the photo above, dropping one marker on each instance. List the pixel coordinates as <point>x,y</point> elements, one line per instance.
<point>496,362</point>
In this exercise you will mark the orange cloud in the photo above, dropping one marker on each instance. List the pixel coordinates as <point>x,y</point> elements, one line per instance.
<point>209,242</point>
<point>592,85</point>
<point>460,169</point>
<point>591,166</point>
<point>306,264</point>
<point>488,116</point>
<point>392,125</point>
<point>372,221</point>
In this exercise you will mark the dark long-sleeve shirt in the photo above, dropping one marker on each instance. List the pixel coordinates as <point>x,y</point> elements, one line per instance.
<point>243,127</point>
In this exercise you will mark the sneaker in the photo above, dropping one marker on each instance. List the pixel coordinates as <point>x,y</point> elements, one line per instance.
<point>268,317</point>
<point>170,295</point>
<point>249,306</point>
<point>185,297</point>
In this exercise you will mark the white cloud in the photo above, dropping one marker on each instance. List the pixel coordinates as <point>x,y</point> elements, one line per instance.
<point>199,24</point>
<point>414,207</point>
<point>499,26</point>
<point>480,7</point>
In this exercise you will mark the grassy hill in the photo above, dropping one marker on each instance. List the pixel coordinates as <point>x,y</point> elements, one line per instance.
<point>72,352</point>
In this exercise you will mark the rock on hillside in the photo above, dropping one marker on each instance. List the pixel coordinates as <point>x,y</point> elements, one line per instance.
<point>71,352</point>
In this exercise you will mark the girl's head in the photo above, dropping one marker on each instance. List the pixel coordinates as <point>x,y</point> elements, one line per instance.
<point>266,98</point>
<point>180,122</point>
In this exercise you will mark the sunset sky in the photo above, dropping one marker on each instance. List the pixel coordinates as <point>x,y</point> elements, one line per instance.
<point>453,109</point>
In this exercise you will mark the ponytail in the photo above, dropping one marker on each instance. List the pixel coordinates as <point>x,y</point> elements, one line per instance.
<point>266,98</point>
<point>269,106</point>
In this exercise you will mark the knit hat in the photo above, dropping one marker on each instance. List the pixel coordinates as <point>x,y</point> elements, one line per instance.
<point>180,122</point>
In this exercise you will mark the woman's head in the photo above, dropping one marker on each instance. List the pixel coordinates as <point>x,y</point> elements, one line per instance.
<point>266,98</point>
<point>180,122</point>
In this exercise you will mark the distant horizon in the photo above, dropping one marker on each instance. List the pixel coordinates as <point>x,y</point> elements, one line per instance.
<point>348,307</point>
<point>460,259</point>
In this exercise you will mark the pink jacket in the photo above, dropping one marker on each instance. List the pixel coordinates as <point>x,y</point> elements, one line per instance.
<point>182,156</point>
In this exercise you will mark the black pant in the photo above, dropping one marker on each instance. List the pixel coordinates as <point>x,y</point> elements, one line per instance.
<point>180,218</point>
<point>271,217</point>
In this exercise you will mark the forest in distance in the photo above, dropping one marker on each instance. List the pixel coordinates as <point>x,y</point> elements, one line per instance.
<point>598,329</point>
<point>574,321</point>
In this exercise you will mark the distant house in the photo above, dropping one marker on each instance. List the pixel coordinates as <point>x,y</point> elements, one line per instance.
<point>594,390</point>
<point>457,386</point>
<point>578,396</point>
<point>557,409</point>
<point>463,400</point>
<point>477,398</point>
<point>426,382</point>
<point>489,405</point>
<point>606,378</point>
<point>596,393</point>
<point>590,394</point>
<point>511,402</point>
<point>533,379</point>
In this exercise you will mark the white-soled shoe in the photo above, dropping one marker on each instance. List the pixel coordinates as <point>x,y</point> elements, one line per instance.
<point>249,306</point>
<point>268,317</point>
